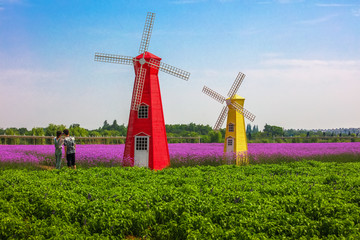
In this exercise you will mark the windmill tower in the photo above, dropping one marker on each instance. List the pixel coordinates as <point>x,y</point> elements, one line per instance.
<point>146,142</point>
<point>235,135</point>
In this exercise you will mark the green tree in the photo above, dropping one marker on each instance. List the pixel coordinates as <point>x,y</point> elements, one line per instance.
<point>215,137</point>
<point>74,125</point>
<point>77,131</point>
<point>248,128</point>
<point>38,131</point>
<point>12,132</point>
<point>115,126</point>
<point>23,131</point>
<point>94,133</point>
<point>255,129</point>
<point>271,131</point>
<point>52,128</point>
<point>106,125</point>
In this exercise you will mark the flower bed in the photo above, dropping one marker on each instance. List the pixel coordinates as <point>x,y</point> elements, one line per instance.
<point>187,154</point>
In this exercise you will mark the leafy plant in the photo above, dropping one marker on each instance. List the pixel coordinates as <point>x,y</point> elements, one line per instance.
<point>307,199</point>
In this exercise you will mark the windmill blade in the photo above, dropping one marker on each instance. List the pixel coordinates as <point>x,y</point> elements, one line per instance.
<point>154,63</point>
<point>235,87</point>
<point>112,58</point>
<point>145,40</point>
<point>240,109</point>
<point>138,88</point>
<point>221,118</point>
<point>218,97</point>
<point>174,71</point>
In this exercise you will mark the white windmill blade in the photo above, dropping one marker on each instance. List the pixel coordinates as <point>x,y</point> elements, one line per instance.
<point>243,111</point>
<point>221,118</point>
<point>154,63</point>
<point>145,40</point>
<point>138,89</point>
<point>218,97</point>
<point>113,58</point>
<point>235,87</point>
<point>177,72</point>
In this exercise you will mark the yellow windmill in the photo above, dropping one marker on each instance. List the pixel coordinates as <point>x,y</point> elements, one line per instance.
<point>235,135</point>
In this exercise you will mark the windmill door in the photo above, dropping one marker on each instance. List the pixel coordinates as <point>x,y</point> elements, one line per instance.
<point>141,153</point>
<point>230,144</point>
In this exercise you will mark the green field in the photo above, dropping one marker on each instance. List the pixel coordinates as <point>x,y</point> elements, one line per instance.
<point>300,200</point>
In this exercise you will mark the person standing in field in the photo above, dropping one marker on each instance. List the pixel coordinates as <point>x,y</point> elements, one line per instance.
<point>58,149</point>
<point>70,149</point>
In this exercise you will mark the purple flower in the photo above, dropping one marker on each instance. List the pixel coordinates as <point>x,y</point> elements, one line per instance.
<point>180,153</point>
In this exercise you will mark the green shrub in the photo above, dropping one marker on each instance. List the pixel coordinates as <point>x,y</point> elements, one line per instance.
<point>297,200</point>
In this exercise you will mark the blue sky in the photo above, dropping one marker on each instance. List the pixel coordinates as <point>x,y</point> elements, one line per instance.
<point>301,58</point>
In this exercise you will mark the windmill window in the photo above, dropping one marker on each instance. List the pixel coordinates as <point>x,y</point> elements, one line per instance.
<point>231,127</point>
<point>230,142</point>
<point>143,111</point>
<point>141,143</point>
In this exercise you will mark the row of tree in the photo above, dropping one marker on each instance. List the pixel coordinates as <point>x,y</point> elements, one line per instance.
<point>192,130</point>
<point>279,134</point>
<point>196,131</point>
<point>275,131</point>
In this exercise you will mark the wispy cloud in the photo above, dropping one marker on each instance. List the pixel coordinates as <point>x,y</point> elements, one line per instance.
<point>335,5</point>
<point>187,1</point>
<point>10,1</point>
<point>245,32</point>
<point>272,55</point>
<point>288,1</point>
<point>279,1</point>
<point>317,20</point>
<point>305,89</point>
<point>5,3</point>
<point>356,12</point>
<point>310,63</point>
<point>26,77</point>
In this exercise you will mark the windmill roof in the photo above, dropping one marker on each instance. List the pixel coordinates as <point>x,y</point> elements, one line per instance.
<point>148,55</point>
<point>237,97</point>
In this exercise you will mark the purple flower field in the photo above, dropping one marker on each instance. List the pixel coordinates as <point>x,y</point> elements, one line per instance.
<point>187,154</point>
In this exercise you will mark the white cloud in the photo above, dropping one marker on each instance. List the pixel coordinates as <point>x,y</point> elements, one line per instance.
<point>37,97</point>
<point>280,1</point>
<point>356,12</point>
<point>335,5</point>
<point>318,20</point>
<point>300,63</point>
<point>289,1</point>
<point>272,55</point>
<point>299,93</point>
<point>26,77</point>
<point>10,1</point>
<point>187,1</point>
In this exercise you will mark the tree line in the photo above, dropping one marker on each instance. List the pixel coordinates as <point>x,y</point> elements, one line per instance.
<point>204,132</point>
<point>270,133</point>
<point>278,134</point>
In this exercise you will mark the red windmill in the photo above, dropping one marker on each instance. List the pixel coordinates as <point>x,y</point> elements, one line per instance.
<point>146,142</point>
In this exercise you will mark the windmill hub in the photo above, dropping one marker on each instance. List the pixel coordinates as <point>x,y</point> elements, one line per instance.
<point>142,61</point>
<point>228,101</point>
